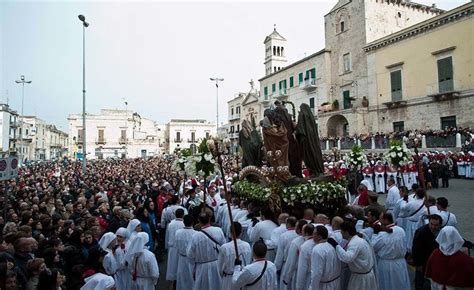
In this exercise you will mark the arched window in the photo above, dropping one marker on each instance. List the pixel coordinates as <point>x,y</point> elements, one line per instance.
<point>274,50</point>
<point>282,52</point>
<point>278,51</point>
<point>342,21</point>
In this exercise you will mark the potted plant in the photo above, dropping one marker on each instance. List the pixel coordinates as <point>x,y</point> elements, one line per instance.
<point>335,105</point>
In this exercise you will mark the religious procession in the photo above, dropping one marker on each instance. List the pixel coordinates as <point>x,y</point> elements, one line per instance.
<point>282,216</point>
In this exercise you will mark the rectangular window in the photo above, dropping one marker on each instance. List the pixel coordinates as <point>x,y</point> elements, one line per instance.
<point>346,58</point>
<point>399,126</point>
<point>291,82</point>
<point>238,128</point>
<point>347,99</point>
<point>265,91</point>
<point>101,135</point>
<point>231,111</point>
<point>445,74</point>
<point>448,122</point>
<point>207,135</point>
<point>193,137</point>
<point>300,78</point>
<point>396,85</point>
<point>80,134</point>
<point>273,88</point>
<point>123,134</point>
<point>178,137</point>
<point>231,129</point>
<point>237,110</point>
<point>313,73</point>
<point>311,104</point>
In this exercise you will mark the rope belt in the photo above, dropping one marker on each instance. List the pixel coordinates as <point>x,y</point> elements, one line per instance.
<point>362,273</point>
<point>325,282</point>
<point>206,262</point>
<point>227,274</point>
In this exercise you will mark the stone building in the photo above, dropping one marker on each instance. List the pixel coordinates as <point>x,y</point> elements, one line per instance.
<point>334,80</point>
<point>9,124</point>
<point>187,133</point>
<point>115,134</point>
<point>421,76</point>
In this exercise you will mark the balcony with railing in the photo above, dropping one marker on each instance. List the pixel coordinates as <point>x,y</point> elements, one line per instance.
<point>178,140</point>
<point>266,98</point>
<point>282,94</point>
<point>100,141</point>
<point>192,140</point>
<point>14,124</point>
<point>79,140</point>
<point>308,84</point>
<point>234,117</point>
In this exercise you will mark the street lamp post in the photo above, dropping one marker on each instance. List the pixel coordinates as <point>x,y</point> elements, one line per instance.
<point>217,80</point>
<point>84,25</point>
<point>22,81</point>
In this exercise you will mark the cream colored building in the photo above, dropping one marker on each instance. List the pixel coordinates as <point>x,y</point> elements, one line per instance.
<point>116,134</point>
<point>422,77</point>
<point>187,133</point>
<point>334,80</point>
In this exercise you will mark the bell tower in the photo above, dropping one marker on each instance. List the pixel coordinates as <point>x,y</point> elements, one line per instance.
<point>275,52</point>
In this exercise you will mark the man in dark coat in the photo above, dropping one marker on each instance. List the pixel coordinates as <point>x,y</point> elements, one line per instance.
<point>424,243</point>
<point>308,136</point>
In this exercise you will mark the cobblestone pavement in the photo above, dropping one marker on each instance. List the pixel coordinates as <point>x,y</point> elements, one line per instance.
<point>460,195</point>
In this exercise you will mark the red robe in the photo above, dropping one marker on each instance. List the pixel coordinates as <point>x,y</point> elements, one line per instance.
<point>455,271</point>
<point>363,198</point>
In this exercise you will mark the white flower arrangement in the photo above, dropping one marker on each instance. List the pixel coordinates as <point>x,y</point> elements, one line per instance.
<point>356,159</point>
<point>309,193</point>
<point>398,154</point>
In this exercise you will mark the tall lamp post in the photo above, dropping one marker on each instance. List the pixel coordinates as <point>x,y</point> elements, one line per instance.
<point>217,80</point>
<point>22,81</point>
<point>84,25</point>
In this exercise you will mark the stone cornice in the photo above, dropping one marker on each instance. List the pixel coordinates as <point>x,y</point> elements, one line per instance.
<point>425,26</point>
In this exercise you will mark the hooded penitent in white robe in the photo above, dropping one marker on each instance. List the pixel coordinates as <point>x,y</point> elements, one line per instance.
<point>303,272</point>
<point>325,268</point>
<point>109,262</point>
<point>289,271</point>
<point>131,228</point>
<point>98,281</point>
<point>360,258</point>
<point>226,261</point>
<point>390,250</point>
<point>412,211</point>
<point>123,278</point>
<point>185,279</point>
<point>282,253</point>
<point>203,253</point>
<point>243,276</point>
<point>172,263</point>
<point>142,264</point>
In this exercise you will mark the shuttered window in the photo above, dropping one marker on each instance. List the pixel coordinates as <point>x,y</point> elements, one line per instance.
<point>273,88</point>
<point>291,82</point>
<point>347,99</point>
<point>300,78</point>
<point>265,91</point>
<point>445,74</point>
<point>396,85</point>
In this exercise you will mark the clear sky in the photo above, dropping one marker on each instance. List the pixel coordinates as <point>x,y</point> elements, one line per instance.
<point>158,56</point>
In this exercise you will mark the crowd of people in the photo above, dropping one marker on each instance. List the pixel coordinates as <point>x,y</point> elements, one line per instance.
<point>110,227</point>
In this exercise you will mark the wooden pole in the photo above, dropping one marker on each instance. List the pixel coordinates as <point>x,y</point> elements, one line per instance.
<point>227,198</point>
<point>421,177</point>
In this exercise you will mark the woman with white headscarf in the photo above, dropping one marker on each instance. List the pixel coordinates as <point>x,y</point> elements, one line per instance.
<point>448,267</point>
<point>142,264</point>
<point>107,243</point>
<point>123,278</point>
<point>99,281</point>
<point>133,227</point>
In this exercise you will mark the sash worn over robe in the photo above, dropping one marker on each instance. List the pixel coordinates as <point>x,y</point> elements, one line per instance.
<point>227,258</point>
<point>249,274</point>
<point>325,268</point>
